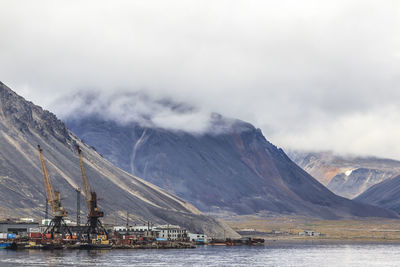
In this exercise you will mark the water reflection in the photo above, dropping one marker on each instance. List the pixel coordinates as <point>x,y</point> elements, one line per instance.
<point>269,255</point>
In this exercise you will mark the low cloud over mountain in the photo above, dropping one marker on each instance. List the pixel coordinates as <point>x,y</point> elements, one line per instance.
<point>313,75</point>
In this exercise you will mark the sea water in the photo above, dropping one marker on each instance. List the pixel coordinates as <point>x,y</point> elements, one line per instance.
<point>267,255</point>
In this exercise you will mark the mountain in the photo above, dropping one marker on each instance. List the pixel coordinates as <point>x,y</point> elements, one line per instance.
<point>347,176</point>
<point>231,168</point>
<point>385,194</point>
<point>24,125</point>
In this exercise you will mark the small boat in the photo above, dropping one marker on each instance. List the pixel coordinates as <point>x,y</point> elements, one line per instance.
<point>33,245</point>
<point>217,242</point>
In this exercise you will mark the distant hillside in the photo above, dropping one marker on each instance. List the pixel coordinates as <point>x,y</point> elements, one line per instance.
<point>24,125</point>
<point>235,170</point>
<point>345,175</point>
<point>385,194</point>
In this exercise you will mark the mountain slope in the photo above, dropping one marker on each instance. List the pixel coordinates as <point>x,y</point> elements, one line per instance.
<point>385,194</point>
<point>232,170</point>
<point>345,175</point>
<point>23,126</point>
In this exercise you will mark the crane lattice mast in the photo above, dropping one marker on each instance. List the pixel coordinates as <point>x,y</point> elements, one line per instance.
<point>49,188</point>
<point>94,224</point>
<point>57,224</point>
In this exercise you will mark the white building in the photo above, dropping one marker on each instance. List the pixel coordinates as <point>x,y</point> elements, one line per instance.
<point>120,229</point>
<point>171,232</point>
<point>201,238</point>
<point>309,233</point>
<point>27,220</point>
<point>134,228</point>
<point>46,221</point>
<point>140,228</point>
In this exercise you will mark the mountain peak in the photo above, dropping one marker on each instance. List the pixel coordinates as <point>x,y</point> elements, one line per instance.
<point>233,168</point>
<point>28,117</point>
<point>24,125</point>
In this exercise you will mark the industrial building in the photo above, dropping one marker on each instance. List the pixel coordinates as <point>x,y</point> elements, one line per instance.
<point>18,227</point>
<point>171,232</point>
<point>198,238</point>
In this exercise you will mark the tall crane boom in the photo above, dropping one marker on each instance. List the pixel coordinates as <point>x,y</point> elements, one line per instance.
<point>94,224</point>
<point>85,181</point>
<point>49,188</point>
<point>57,224</point>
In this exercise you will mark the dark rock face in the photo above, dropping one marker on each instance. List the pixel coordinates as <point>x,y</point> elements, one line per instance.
<point>384,194</point>
<point>236,170</point>
<point>23,126</point>
<point>345,175</point>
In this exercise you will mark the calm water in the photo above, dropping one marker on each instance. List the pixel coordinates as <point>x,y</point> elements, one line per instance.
<point>270,255</point>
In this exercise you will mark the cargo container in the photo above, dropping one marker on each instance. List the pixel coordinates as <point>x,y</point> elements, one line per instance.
<point>11,236</point>
<point>34,230</point>
<point>3,235</point>
<point>35,235</point>
<point>5,245</point>
<point>47,236</point>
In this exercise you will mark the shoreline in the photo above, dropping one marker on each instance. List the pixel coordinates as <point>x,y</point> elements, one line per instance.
<point>327,241</point>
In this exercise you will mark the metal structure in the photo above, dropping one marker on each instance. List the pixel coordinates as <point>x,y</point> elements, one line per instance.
<point>95,227</point>
<point>46,214</point>
<point>57,224</point>
<point>127,220</point>
<point>78,206</point>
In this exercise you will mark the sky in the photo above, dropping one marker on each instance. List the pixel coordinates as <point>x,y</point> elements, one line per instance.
<point>313,75</point>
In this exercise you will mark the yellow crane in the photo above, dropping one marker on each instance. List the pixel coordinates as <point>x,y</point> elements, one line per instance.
<point>95,227</point>
<point>57,224</point>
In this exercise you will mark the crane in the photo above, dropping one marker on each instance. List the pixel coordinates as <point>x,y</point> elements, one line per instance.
<point>57,224</point>
<point>94,224</point>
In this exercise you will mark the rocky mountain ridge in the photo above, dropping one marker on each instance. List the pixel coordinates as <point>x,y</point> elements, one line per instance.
<point>384,194</point>
<point>347,176</point>
<point>235,171</point>
<point>24,125</point>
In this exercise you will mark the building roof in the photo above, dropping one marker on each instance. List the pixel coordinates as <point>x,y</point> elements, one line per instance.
<point>18,222</point>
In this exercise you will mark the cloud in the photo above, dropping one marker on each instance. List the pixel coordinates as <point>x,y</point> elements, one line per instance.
<point>135,107</point>
<point>371,133</point>
<point>146,110</point>
<point>292,68</point>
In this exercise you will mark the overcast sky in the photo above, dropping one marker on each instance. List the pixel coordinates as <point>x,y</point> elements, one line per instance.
<point>313,75</point>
